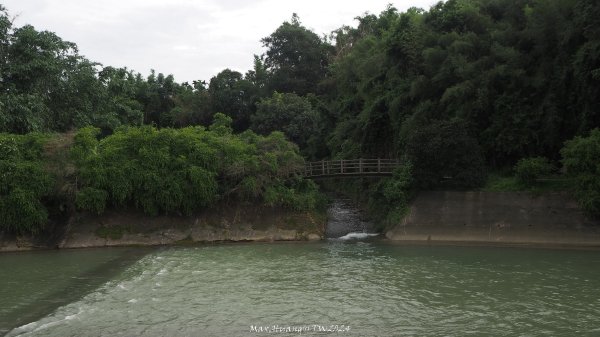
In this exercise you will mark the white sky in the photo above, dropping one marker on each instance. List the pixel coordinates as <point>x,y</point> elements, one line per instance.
<point>191,39</point>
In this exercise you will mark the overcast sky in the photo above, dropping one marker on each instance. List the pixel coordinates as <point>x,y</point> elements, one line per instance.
<point>191,39</point>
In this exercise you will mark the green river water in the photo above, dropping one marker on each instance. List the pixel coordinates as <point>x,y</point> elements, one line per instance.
<point>355,288</point>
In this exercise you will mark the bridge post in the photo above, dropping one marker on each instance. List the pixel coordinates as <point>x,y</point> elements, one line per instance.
<point>360,165</point>
<point>378,165</point>
<point>342,166</point>
<point>323,167</point>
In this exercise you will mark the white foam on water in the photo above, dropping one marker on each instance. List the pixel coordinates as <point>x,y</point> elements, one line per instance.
<point>24,329</point>
<point>49,325</point>
<point>133,300</point>
<point>357,236</point>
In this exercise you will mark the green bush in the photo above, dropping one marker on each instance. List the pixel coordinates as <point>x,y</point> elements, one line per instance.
<point>91,199</point>
<point>24,183</point>
<point>221,124</point>
<point>299,194</point>
<point>156,170</point>
<point>528,170</point>
<point>581,160</point>
<point>287,112</point>
<point>389,199</point>
<point>182,170</point>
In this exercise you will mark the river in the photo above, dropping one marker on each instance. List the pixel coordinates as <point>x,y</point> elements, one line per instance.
<point>356,287</point>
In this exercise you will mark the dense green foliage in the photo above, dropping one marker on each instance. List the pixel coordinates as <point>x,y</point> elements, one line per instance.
<point>179,171</point>
<point>233,95</point>
<point>528,170</point>
<point>296,58</point>
<point>23,183</point>
<point>390,197</point>
<point>459,90</point>
<point>444,154</point>
<point>506,69</point>
<point>290,113</point>
<point>466,87</point>
<point>157,171</point>
<point>45,85</point>
<point>581,159</point>
<point>520,78</point>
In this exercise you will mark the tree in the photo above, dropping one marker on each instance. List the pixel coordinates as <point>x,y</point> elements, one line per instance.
<point>5,28</point>
<point>37,60</point>
<point>296,58</point>
<point>156,95</point>
<point>231,94</point>
<point>23,183</point>
<point>48,86</point>
<point>581,160</point>
<point>22,113</point>
<point>221,124</point>
<point>122,85</point>
<point>290,113</point>
<point>441,150</point>
<point>528,170</point>
<point>192,106</point>
<point>258,76</point>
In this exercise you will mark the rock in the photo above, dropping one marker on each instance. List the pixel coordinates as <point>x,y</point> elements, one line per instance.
<point>313,237</point>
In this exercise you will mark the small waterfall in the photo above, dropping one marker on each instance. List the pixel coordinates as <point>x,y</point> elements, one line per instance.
<point>345,222</point>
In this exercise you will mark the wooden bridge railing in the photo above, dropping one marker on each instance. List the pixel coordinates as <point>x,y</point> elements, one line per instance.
<point>353,167</point>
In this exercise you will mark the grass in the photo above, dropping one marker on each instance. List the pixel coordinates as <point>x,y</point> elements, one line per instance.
<point>506,183</point>
<point>112,232</point>
<point>500,183</point>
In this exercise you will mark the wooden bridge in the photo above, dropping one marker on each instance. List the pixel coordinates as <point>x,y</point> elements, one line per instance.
<point>353,167</point>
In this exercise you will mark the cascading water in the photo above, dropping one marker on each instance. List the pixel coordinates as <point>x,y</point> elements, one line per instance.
<point>345,222</point>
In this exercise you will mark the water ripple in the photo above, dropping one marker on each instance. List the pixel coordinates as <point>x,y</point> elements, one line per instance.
<point>376,289</point>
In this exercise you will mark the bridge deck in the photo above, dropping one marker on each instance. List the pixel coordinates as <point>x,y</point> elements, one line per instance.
<point>353,167</point>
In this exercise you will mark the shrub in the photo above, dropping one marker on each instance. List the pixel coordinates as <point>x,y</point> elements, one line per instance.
<point>23,183</point>
<point>389,199</point>
<point>287,112</point>
<point>581,160</point>
<point>91,199</point>
<point>182,170</point>
<point>528,170</point>
<point>156,170</point>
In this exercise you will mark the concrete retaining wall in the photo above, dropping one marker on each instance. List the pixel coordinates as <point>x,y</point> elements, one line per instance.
<point>497,217</point>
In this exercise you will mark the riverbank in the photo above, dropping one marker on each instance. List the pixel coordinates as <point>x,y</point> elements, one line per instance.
<point>496,218</point>
<point>225,223</point>
<point>441,217</point>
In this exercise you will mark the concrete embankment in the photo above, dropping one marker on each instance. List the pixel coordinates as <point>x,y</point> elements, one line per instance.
<point>221,224</point>
<point>497,218</point>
